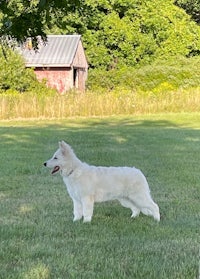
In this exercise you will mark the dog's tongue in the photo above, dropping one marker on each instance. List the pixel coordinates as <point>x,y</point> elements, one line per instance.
<point>56,168</point>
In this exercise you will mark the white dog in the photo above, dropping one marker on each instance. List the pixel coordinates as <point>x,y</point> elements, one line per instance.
<point>88,184</point>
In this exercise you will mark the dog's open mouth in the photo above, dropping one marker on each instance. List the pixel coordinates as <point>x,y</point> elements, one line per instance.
<point>55,169</point>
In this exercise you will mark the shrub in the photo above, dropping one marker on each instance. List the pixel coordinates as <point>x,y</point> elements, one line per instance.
<point>14,77</point>
<point>161,76</point>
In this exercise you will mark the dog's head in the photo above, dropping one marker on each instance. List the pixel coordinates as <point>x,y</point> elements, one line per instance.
<point>61,158</point>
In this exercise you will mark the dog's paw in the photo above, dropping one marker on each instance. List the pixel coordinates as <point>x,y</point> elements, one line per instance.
<point>77,218</point>
<point>87,219</point>
<point>135,213</point>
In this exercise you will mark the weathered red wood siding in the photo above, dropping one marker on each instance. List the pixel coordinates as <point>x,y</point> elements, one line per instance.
<point>59,78</point>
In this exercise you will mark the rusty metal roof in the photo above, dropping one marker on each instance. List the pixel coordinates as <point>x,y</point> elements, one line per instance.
<point>59,51</point>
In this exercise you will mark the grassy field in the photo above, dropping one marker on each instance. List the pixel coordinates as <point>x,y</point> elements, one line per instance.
<point>38,237</point>
<point>99,104</point>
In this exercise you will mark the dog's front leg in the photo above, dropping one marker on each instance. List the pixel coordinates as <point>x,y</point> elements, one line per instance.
<point>78,210</point>
<point>88,205</point>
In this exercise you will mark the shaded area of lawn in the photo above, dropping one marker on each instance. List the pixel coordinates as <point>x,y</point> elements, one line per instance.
<point>38,237</point>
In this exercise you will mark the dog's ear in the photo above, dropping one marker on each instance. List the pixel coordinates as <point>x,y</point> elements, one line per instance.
<point>61,143</point>
<point>63,146</point>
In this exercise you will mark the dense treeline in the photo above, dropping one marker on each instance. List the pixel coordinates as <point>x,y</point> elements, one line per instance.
<point>129,33</point>
<point>192,7</point>
<point>116,33</point>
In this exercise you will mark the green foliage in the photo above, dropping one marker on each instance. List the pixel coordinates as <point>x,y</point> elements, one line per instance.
<point>115,33</point>
<point>160,76</point>
<point>13,74</point>
<point>21,19</point>
<point>14,77</point>
<point>132,32</point>
<point>129,33</point>
<point>192,7</point>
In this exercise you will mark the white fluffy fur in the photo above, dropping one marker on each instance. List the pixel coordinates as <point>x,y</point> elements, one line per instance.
<point>88,184</point>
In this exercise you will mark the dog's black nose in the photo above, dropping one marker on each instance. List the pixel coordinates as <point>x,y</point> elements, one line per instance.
<point>45,164</point>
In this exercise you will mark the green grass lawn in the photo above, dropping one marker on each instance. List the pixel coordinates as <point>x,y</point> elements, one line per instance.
<point>37,235</point>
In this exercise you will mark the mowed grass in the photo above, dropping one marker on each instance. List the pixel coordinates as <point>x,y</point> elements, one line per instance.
<point>37,235</point>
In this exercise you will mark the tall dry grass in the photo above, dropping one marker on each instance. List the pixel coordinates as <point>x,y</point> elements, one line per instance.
<point>94,104</point>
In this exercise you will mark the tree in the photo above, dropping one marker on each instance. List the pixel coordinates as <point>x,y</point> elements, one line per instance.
<point>192,7</point>
<point>133,32</point>
<point>13,74</point>
<point>15,78</point>
<point>115,33</point>
<point>21,19</point>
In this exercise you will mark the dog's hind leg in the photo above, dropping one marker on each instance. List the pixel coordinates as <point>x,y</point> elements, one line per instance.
<point>152,209</point>
<point>129,204</point>
<point>78,210</point>
<point>88,205</point>
<point>146,205</point>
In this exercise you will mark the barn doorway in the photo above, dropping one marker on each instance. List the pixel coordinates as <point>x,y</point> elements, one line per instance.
<point>75,78</point>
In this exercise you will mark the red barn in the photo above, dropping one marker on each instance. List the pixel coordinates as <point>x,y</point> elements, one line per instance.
<point>61,61</point>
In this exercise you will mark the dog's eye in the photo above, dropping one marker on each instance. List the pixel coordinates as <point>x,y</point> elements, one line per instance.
<point>55,158</point>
